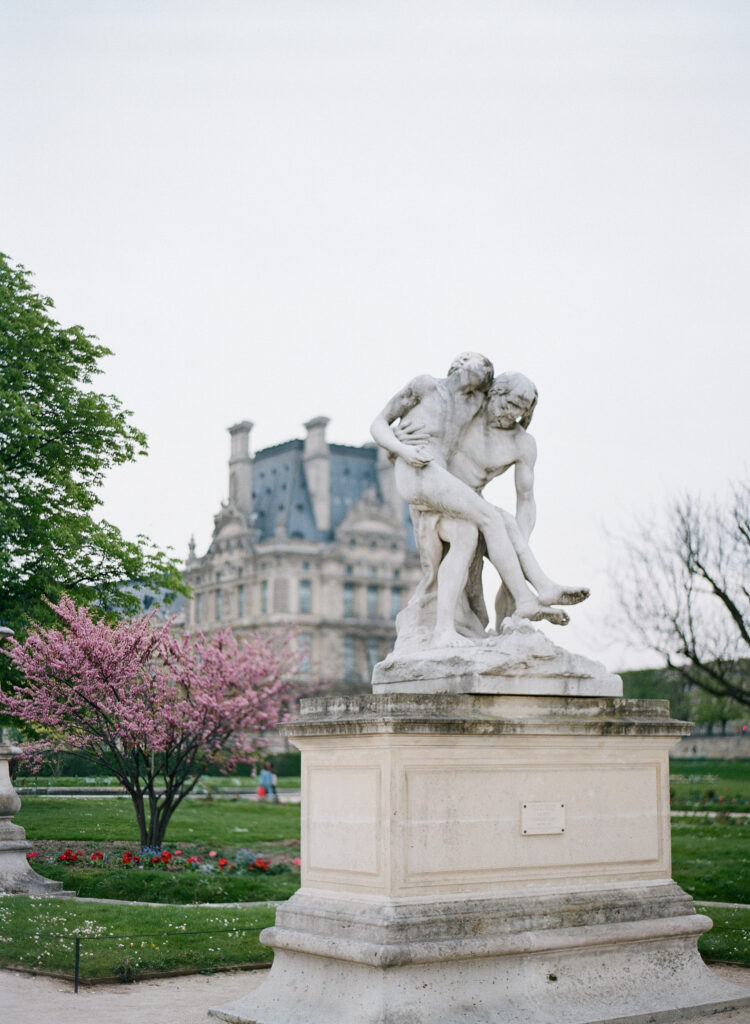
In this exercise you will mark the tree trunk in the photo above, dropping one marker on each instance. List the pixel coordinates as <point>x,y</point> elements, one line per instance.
<point>160,816</point>
<point>140,815</point>
<point>157,827</point>
<point>152,829</point>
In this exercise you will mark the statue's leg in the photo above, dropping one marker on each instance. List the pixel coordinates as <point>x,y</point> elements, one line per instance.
<point>505,606</point>
<point>532,570</point>
<point>505,558</point>
<point>462,536</point>
<point>549,592</point>
<point>435,489</point>
<point>429,544</point>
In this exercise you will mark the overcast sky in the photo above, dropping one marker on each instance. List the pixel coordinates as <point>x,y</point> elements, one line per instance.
<point>273,210</point>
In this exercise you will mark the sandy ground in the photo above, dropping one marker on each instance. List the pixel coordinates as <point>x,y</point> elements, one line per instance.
<point>28,1000</point>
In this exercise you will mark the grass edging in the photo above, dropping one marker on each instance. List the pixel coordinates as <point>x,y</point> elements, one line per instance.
<point>185,972</point>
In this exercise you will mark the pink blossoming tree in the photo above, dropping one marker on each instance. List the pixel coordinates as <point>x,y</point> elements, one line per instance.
<point>153,708</point>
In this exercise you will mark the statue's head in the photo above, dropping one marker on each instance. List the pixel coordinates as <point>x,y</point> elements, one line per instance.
<point>475,370</point>
<point>511,401</point>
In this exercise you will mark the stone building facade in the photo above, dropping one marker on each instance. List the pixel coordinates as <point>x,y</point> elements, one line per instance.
<point>312,534</point>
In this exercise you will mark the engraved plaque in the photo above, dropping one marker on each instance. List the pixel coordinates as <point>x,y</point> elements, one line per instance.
<point>543,818</point>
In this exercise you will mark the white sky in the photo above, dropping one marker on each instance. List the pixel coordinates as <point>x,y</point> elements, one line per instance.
<point>276,209</point>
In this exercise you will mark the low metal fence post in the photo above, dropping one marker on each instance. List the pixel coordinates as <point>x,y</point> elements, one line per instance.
<point>77,962</point>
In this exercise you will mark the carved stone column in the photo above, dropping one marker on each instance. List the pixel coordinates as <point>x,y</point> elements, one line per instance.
<point>16,875</point>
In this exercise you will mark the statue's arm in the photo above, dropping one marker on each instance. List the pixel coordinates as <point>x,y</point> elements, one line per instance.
<point>525,501</point>
<point>407,398</point>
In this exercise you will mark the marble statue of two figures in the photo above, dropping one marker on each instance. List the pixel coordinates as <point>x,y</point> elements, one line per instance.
<point>479,843</point>
<point>447,439</point>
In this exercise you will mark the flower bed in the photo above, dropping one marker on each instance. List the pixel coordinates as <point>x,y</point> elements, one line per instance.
<point>173,860</point>
<point>171,876</point>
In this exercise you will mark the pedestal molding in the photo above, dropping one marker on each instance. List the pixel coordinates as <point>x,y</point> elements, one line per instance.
<point>472,714</point>
<point>543,941</point>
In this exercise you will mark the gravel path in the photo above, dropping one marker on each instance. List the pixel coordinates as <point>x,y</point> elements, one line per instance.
<point>28,1000</point>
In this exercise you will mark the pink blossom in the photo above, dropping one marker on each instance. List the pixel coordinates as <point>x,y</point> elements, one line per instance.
<point>147,703</point>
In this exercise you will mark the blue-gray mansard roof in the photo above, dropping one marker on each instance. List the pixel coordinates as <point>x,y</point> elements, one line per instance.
<point>281,497</point>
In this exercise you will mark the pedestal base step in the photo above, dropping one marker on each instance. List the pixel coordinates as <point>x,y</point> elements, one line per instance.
<point>633,984</point>
<point>618,956</point>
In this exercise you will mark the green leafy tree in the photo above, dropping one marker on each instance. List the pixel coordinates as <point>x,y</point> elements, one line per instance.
<point>711,711</point>
<point>58,438</point>
<point>660,684</point>
<point>686,700</point>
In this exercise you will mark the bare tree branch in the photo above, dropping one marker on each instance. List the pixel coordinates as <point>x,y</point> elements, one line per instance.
<point>683,589</point>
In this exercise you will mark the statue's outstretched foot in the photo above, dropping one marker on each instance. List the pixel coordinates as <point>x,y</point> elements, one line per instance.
<point>450,638</point>
<point>536,612</point>
<point>564,595</point>
<point>554,615</point>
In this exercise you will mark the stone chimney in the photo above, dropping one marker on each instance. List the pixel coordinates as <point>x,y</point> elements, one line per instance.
<point>241,468</point>
<point>317,459</point>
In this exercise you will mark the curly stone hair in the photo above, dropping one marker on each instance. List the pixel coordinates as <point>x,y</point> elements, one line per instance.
<point>519,385</point>
<point>489,369</point>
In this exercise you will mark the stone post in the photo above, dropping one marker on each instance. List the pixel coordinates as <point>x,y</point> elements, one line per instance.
<point>16,875</point>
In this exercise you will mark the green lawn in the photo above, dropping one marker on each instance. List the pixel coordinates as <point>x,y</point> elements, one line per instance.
<point>729,939</point>
<point>221,821</point>
<point>703,784</point>
<point>208,782</point>
<point>289,782</point>
<point>63,781</point>
<point>711,859</point>
<point>123,941</point>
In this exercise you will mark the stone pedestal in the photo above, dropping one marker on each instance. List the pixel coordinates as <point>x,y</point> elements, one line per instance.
<point>478,858</point>
<point>16,876</point>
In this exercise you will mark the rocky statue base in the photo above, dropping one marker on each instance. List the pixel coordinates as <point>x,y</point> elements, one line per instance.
<point>16,875</point>
<point>519,659</point>
<point>470,859</point>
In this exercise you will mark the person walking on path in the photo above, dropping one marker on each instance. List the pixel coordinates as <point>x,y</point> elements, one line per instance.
<point>267,781</point>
